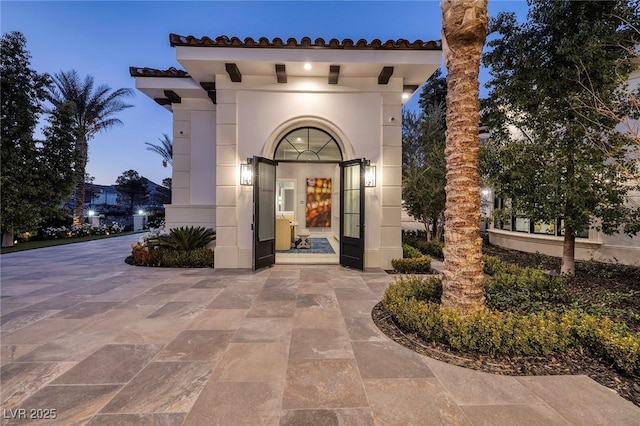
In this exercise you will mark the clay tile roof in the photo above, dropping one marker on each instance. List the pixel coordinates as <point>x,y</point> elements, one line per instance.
<point>304,43</point>
<point>152,72</point>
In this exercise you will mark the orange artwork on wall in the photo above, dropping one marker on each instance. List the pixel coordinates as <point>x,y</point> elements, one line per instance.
<point>318,203</point>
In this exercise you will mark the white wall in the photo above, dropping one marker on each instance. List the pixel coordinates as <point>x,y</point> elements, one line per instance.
<point>353,118</point>
<point>194,165</point>
<point>299,172</point>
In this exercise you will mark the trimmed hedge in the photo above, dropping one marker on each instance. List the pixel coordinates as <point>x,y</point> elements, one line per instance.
<point>418,265</point>
<point>410,252</point>
<point>162,257</point>
<point>414,305</point>
<point>432,248</point>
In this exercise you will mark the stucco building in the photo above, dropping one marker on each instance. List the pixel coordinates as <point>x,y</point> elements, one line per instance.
<point>316,128</point>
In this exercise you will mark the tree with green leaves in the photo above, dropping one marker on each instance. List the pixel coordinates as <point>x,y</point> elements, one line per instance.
<point>58,163</point>
<point>96,108</point>
<point>164,191</point>
<point>423,167</point>
<point>541,153</point>
<point>165,149</point>
<point>133,190</point>
<point>22,93</point>
<point>434,92</point>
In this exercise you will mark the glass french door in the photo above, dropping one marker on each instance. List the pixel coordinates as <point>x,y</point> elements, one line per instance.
<point>352,213</point>
<point>264,212</point>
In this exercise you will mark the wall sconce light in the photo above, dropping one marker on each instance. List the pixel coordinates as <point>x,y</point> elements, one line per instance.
<point>246,173</point>
<point>369,175</point>
<point>408,91</point>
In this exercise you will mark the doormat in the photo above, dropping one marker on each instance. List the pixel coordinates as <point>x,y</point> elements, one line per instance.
<point>318,246</point>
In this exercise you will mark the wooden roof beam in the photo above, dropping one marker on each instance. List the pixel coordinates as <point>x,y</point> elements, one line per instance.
<point>234,72</point>
<point>334,74</point>
<point>385,75</point>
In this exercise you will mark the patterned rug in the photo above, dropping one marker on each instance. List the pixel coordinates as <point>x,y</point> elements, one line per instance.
<point>318,245</point>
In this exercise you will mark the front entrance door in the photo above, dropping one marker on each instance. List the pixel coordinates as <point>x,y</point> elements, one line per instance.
<point>352,213</point>
<point>264,212</point>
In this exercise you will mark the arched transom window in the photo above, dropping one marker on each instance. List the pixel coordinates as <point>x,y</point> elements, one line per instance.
<point>308,144</point>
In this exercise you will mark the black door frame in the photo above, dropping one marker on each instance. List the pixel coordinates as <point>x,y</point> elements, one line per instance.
<point>264,250</point>
<point>351,248</point>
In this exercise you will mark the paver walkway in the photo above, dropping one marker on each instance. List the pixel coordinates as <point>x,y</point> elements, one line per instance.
<point>105,343</point>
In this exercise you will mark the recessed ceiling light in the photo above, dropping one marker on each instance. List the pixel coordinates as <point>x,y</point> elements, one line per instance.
<point>405,96</point>
<point>307,66</point>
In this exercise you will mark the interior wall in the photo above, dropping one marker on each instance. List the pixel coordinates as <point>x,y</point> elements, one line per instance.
<point>299,172</point>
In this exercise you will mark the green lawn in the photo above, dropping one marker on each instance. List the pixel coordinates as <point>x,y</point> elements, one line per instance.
<point>30,245</point>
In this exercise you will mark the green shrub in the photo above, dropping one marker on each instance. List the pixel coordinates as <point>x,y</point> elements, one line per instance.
<point>508,333</point>
<point>184,238</point>
<point>493,265</point>
<point>606,270</point>
<point>527,290</point>
<point>418,265</point>
<point>197,258</point>
<point>163,257</point>
<point>412,235</point>
<point>432,248</point>
<point>427,289</point>
<point>410,252</point>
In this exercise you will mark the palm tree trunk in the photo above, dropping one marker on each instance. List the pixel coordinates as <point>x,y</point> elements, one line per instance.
<point>78,205</point>
<point>464,29</point>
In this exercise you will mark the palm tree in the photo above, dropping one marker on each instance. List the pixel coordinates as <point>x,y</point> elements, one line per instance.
<point>464,29</point>
<point>165,149</point>
<point>95,110</point>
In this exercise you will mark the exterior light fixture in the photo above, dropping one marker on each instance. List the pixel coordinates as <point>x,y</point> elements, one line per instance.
<point>141,212</point>
<point>90,213</point>
<point>307,66</point>
<point>369,175</point>
<point>246,173</point>
<point>408,90</point>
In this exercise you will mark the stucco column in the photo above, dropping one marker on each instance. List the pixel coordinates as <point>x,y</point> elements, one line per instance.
<point>227,164</point>
<point>194,157</point>
<point>390,225</point>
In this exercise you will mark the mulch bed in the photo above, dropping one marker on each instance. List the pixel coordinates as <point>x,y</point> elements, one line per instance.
<point>568,363</point>
<point>585,288</point>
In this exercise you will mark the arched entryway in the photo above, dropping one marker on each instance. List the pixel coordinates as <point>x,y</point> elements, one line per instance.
<point>318,199</point>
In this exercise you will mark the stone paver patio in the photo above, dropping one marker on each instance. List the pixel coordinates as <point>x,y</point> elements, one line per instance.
<point>105,343</point>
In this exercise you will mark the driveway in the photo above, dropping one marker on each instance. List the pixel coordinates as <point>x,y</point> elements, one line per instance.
<point>88,339</point>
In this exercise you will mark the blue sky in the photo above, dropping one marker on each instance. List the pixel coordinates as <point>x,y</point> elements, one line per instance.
<point>104,38</point>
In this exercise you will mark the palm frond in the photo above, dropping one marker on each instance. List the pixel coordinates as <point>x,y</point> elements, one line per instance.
<point>95,106</point>
<point>165,149</point>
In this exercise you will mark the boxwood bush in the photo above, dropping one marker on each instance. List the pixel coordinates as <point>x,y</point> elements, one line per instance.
<point>431,248</point>
<point>410,252</point>
<point>414,305</point>
<point>417,265</point>
<point>163,257</point>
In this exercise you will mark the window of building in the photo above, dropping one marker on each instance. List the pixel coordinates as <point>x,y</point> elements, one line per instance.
<point>520,223</point>
<point>547,228</point>
<point>583,234</point>
<point>308,144</point>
